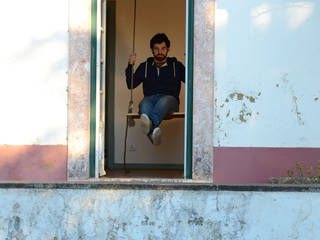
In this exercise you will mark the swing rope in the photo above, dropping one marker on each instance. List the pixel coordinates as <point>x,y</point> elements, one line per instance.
<point>130,109</point>
<point>130,121</point>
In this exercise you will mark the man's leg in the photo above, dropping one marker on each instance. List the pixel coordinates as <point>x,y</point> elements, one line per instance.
<point>165,105</point>
<point>145,109</point>
<point>147,104</point>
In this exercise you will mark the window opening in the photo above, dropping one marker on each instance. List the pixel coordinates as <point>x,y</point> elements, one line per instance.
<point>117,33</point>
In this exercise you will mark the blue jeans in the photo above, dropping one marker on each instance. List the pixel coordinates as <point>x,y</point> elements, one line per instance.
<point>157,106</point>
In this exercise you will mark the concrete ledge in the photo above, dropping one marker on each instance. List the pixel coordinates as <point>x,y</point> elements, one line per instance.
<point>105,210</point>
<point>161,186</point>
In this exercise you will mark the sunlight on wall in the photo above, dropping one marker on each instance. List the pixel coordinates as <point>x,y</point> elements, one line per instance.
<point>221,22</point>
<point>261,16</point>
<point>210,14</point>
<point>34,64</point>
<point>78,17</point>
<point>297,13</point>
<point>267,74</point>
<point>221,17</point>
<point>76,151</point>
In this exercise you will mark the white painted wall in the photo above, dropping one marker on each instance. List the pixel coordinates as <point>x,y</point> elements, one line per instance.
<point>33,71</point>
<point>267,86</point>
<point>158,214</point>
<point>152,17</point>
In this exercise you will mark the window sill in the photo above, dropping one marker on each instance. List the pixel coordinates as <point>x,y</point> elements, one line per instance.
<point>159,184</point>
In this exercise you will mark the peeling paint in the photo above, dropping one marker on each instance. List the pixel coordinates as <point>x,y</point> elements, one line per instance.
<point>232,95</point>
<point>239,96</point>
<point>244,112</point>
<point>241,117</point>
<point>285,92</point>
<point>252,99</point>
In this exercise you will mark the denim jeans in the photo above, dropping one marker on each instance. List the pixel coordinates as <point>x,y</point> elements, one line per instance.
<point>157,106</point>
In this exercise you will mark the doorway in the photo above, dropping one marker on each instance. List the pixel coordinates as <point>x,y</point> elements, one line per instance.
<point>151,18</point>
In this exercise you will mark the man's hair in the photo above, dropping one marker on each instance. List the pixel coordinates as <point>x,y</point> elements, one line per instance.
<point>159,38</point>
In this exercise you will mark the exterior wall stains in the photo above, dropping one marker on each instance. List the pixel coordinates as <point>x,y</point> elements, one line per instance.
<point>267,74</point>
<point>157,214</point>
<point>203,89</point>
<point>79,89</point>
<point>266,88</point>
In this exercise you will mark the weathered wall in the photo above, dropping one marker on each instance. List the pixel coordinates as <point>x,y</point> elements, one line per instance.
<point>203,82</point>
<point>33,89</point>
<point>152,17</point>
<point>157,214</point>
<point>79,89</point>
<point>266,88</point>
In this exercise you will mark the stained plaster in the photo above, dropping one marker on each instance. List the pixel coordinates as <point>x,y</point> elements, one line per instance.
<point>267,51</point>
<point>203,89</point>
<point>79,89</point>
<point>157,214</point>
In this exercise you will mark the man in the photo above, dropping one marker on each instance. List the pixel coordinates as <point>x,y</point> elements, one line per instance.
<point>161,77</point>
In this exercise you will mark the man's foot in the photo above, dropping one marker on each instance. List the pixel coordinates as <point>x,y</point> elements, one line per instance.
<point>156,136</point>
<point>145,124</point>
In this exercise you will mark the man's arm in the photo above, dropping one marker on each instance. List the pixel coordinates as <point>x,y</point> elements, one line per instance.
<point>181,71</point>
<point>138,75</point>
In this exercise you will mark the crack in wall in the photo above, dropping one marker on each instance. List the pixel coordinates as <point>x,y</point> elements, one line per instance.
<point>295,106</point>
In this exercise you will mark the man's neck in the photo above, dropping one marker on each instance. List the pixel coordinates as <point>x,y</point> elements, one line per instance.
<point>160,63</point>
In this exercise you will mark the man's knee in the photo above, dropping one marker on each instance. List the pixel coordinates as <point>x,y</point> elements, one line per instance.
<point>145,106</point>
<point>169,102</point>
<point>168,99</point>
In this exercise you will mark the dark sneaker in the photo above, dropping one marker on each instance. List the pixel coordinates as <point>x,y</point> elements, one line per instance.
<point>145,124</point>
<point>156,136</point>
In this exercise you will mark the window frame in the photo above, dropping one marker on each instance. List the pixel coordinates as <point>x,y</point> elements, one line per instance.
<point>188,143</point>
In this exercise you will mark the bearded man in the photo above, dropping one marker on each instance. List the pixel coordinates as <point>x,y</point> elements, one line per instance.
<point>161,77</point>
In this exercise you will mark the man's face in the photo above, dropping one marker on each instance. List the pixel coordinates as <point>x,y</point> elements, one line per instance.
<point>160,52</point>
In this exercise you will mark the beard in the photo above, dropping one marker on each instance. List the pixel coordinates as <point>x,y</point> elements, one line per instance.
<point>160,57</point>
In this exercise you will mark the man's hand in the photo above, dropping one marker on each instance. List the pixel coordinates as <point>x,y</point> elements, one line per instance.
<point>132,59</point>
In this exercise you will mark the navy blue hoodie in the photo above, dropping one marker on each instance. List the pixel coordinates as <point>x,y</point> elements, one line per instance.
<point>164,80</point>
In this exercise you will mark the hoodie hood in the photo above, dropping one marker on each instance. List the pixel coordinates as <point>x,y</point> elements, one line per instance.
<point>169,59</point>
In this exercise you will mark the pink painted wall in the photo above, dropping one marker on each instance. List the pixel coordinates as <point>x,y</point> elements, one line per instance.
<point>33,162</point>
<point>257,164</point>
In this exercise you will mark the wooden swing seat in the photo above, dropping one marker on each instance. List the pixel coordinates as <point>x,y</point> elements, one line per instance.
<point>167,117</point>
<point>137,116</point>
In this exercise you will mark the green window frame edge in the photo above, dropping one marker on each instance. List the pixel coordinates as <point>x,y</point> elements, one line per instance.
<point>189,123</point>
<point>93,85</point>
<point>93,74</point>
